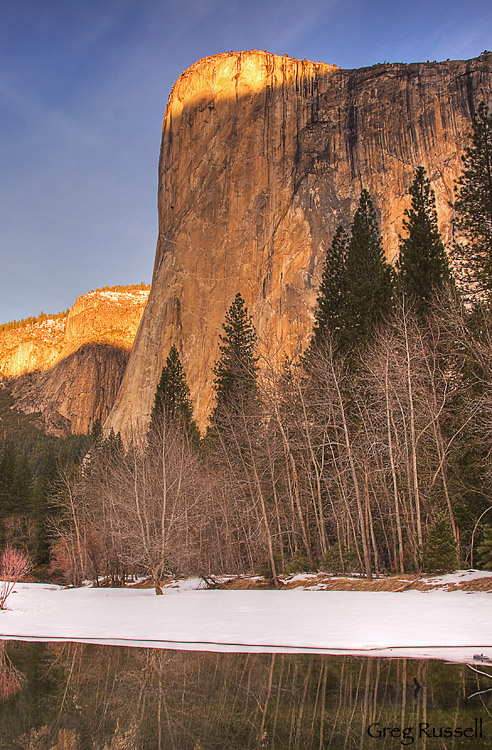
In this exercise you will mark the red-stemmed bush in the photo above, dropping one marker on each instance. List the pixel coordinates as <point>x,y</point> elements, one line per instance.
<point>14,564</point>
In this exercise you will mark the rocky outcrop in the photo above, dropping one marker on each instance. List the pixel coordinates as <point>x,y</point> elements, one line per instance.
<point>69,368</point>
<point>262,156</point>
<point>75,392</point>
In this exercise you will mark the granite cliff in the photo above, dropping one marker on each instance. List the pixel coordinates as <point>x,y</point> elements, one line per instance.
<point>262,156</point>
<point>70,367</point>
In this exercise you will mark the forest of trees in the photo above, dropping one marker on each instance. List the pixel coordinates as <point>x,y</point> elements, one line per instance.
<point>371,455</point>
<point>30,464</point>
<point>14,325</point>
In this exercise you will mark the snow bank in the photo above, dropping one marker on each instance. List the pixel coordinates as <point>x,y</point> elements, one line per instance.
<point>436,624</point>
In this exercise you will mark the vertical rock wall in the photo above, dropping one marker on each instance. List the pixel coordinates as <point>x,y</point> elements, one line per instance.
<point>262,156</point>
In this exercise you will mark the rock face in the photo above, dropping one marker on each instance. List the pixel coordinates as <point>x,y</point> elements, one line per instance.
<point>69,368</point>
<point>262,157</point>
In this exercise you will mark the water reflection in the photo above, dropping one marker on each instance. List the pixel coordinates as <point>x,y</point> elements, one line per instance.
<point>11,680</point>
<point>75,696</point>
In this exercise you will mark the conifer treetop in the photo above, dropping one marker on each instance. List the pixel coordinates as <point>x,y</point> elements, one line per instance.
<point>423,267</point>
<point>369,277</point>
<point>356,290</point>
<point>237,365</point>
<point>172,396</point>
<point>331,297</point>
<point>473,209</point>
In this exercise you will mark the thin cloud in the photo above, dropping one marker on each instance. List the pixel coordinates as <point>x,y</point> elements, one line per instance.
<point>28,106</point>
<point>304,24</point>
<point>102,24</point>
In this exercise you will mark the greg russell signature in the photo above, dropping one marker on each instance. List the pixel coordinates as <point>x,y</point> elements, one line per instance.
<point>408,735</point>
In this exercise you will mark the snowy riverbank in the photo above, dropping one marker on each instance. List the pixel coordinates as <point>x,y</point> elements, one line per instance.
<point>451,625</point>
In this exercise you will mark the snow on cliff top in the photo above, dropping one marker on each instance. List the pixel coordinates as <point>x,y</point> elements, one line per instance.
<point>136,295</point>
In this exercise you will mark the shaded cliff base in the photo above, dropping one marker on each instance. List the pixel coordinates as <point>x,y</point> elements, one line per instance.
<point>72,395</point>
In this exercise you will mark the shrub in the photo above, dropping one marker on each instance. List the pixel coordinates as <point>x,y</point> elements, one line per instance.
<point>440,550</point>
<point>485,549</point>
<point>340,562</point>
<point>298,563</point>
<point>14,564</point>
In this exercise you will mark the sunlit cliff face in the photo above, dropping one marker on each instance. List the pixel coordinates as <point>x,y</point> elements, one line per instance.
<point>262,156</point>
<point>233,76</point>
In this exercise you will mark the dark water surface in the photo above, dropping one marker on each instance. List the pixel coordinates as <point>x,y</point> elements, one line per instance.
<point>76,697</point>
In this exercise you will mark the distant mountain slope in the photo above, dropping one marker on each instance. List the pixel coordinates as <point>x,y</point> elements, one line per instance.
<point>69,367</point>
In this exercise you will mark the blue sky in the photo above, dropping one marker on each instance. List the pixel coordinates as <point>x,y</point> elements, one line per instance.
<point>83,87</point>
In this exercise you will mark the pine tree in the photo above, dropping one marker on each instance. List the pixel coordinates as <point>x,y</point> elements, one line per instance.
<point>111,447</point>
<point>23,486</point>
<point>96,435</point>
<point>332,292</point>
<point>356,291</point>
<point>172,396</point>
<point>485,549</point>
<point>422,265</point>
<point>369,280</point>
<point>8,474</point>
<point>237,367</point>
<point>440,553</point>
<point>473,206</point>
<point>39,508</point>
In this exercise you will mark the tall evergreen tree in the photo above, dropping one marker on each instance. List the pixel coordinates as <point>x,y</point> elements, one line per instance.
<point>332,292</point>
<point>8,479</point>
<point>369,279</point>
<point>237,367</point>
<point>23,486</point>
<point>473,206</point>
<point>44,485</point>
<point>96,435</point>
<point>422,265</point>
<point>113,444</point>
<point>172,396</point>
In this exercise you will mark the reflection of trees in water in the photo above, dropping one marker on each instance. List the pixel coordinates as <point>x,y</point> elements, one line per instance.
<point>134,699</point>
<point>11,679</point>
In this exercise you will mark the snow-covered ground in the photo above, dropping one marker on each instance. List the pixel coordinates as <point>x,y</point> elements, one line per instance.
<point>434,624</point>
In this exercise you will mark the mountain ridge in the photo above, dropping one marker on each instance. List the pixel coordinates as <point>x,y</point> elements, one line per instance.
<point>69,366</point>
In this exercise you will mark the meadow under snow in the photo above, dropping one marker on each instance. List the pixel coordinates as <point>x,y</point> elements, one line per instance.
<point>452,625</point>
